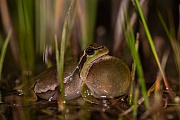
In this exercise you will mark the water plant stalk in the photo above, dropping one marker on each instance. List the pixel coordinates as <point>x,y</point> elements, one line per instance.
<point>25,36</point>
<point>67,26</point>
<point>130,39</point>
<point>3,52</point>
<point>152,44</point>
<point>60,67</point>
<point>175,45</point>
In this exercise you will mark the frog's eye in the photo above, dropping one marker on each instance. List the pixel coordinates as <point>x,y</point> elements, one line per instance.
<point>90,51</point>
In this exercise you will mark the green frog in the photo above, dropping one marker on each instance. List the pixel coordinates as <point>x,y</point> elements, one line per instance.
<point>92,73</point>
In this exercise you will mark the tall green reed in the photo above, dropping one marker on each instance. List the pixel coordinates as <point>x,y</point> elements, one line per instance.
<point>67,27</point>
<point>174,43</point>
<point>151,43</point>
<point>130,39</point>
<point>25,34</point>
<point>87,13</point>
<point>2,55</point>
<point>133,72</point>
<point>3,52</point>
<point>41,26</point>
<point>176,50</point>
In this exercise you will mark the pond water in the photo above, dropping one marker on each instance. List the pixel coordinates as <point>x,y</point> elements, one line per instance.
<point>13,108</point>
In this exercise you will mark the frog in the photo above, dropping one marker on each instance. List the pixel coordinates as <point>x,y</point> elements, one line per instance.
<point>92,73</point>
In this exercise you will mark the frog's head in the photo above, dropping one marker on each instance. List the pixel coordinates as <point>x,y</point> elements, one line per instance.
<point>91,53</point>
<point>95,51</point>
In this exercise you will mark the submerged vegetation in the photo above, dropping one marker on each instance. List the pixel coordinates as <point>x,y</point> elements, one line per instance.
<point>34,35</point>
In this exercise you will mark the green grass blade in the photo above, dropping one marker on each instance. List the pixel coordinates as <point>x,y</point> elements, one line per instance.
<point>133,71</point>
<point>65,36</point>
<point>151,43</point>
<point>175,45</point>
<point>130,39</point>
<point>41,28</point>
<point>25,36</point>
<point>61,62</point>
<point>135,108</point>
<point>165,27</point>
<point>60,67</point>
<point>87,13</point>
<point>70,18</point>
<point>91,6</point>
<point>3,52</point>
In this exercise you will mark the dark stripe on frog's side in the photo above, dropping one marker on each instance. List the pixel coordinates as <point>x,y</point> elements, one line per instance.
<point>82,57</point>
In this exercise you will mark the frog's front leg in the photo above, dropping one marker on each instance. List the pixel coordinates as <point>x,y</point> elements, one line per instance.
<point>87,95</point>
<point>30,96</point>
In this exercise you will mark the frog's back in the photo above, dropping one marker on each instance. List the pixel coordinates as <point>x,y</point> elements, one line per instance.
<point>45,81</point>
